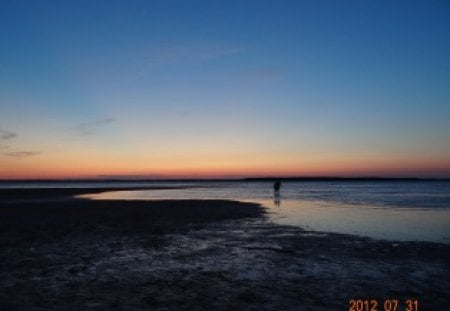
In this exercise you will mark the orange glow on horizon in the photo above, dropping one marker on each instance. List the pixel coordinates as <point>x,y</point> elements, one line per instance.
<point>73,169</point>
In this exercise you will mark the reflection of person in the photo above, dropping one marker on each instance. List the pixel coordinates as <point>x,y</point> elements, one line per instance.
<point>276,200</point>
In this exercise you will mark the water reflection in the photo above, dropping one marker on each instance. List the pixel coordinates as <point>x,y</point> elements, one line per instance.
<point>277,199</point>
<point>427,224</point>
<point>371,221</point>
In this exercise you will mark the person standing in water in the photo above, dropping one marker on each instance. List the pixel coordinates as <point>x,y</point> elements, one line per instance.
<point>276,190</point>
<point>276,187</point>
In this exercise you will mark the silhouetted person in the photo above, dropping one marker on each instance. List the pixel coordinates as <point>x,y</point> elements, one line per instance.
<point>276,187</point>
<point>276,193</point>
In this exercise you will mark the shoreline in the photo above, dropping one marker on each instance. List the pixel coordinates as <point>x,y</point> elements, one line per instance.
<point>75,254</point>
<point>68,193</point>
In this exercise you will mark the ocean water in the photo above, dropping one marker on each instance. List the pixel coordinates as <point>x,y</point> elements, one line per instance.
<point>392,210</point>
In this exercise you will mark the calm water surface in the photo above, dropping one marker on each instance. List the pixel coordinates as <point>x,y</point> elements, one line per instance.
<point>386,210</point>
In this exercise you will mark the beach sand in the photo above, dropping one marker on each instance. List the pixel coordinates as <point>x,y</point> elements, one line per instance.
<point>60,253</point>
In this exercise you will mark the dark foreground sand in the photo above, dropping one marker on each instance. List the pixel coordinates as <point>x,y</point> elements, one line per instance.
<point>75,254</point>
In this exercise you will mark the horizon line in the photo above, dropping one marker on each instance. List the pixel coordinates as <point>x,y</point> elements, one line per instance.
<point>265,178</point>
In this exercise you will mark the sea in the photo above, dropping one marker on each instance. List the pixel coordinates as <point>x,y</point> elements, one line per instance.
<point>411,210</point>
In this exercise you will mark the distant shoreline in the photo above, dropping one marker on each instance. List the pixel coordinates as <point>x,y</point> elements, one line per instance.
<point>247,179</point>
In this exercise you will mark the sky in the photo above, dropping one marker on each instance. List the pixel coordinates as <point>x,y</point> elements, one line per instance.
<point>224,89</point>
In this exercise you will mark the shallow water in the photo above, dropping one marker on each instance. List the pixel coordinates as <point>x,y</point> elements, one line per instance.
<point>406,211</point>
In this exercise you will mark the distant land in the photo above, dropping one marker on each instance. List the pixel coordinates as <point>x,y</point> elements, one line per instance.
<point>334,178</point>
<point>247,179</point>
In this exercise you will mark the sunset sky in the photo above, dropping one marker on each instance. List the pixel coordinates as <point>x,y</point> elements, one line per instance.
<point>224,88</point>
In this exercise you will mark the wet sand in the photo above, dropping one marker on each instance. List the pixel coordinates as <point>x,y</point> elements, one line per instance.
<point>35,194</point>
<point>60,253</point>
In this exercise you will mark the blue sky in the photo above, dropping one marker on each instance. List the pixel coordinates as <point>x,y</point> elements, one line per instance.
<point>298,85</point>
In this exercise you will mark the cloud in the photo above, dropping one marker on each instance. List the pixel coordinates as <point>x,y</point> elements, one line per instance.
<point>267,72</point>
<point>90,128</point>
<point>184,113</point>
<point>22,154</point>
<point>169,54</point>
<point>5,135</point>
